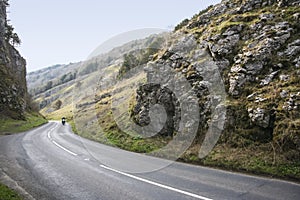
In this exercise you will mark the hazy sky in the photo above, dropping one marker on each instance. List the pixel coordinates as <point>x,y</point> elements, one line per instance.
<point>64,31</point>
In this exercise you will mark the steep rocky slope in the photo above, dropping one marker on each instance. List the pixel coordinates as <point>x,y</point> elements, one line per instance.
<point>13,89</point>
<point>17,111</point>
<point>235,63</point>
<point>256,46</point>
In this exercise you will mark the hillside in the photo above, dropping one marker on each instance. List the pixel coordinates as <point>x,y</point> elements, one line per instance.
<point>56,83</point>
<point>228,80</point>
<point>16,109</point>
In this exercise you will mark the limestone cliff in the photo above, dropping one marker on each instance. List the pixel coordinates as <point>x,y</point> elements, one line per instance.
<point>13,88</point>
<point>256,47</point>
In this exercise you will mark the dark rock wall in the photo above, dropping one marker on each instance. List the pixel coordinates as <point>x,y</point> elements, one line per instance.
<point>13,87</point>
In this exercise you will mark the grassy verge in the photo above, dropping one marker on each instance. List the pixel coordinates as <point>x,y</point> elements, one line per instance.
<point>8,194</point>
<point>9,126</point>
<point>255,159</point>
<point>259,159</point>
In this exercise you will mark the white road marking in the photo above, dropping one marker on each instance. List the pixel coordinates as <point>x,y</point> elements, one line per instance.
<point>157,184</point>
<point>130,175</point>
<point>63,148</point>
<point>49,132</point>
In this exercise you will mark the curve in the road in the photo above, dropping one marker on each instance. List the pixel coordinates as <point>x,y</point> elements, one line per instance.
<point>129,175</point>
<point>51,162</point>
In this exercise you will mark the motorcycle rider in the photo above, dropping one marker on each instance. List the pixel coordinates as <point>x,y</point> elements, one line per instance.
<point>63,120</point>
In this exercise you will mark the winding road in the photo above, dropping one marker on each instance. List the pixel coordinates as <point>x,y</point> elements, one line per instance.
<point>51,162</point>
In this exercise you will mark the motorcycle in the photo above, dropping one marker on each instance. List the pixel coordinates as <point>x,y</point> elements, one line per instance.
<point>63,121</point>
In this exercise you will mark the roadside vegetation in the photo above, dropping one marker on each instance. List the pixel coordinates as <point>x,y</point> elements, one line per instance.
<point>32,120</point>
<point>8,194</point>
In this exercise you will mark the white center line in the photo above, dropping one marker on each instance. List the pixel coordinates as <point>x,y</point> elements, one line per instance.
<point>157,184</point>
<point>49,132</point>
<point>63,148</point>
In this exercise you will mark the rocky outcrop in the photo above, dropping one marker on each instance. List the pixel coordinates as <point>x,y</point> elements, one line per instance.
<point>255,45</point>
<point>13,88</point>
<point>247,43</point>
<point>151,94</point>
<point>183,72</point>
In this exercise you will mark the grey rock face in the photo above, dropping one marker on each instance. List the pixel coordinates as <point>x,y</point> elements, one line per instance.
<point>184,77</point>
<point>259,116</point>
<point>284,78</point>
<point>283,94</point>
<point>151,94</point>
<point>244,47</point>
<point>264,39</point>
<point>268,78</point>
<point>292,50</point>
<point>293,102</point>
<point>253,60</point>
<point>13,87</point>
<point>2,19</point>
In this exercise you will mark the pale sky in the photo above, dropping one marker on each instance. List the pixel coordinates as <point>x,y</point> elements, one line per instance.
<point>64,31</point>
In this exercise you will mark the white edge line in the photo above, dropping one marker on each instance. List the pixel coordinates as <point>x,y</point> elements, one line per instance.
<point>63,148</point>
<point>157,184</point>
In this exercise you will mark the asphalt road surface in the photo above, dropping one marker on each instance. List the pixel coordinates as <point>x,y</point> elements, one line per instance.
<point>50,162</point>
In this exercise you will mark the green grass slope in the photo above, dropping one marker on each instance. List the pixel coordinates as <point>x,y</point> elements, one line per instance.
<point>10,126</point>
<point>8,194</point>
